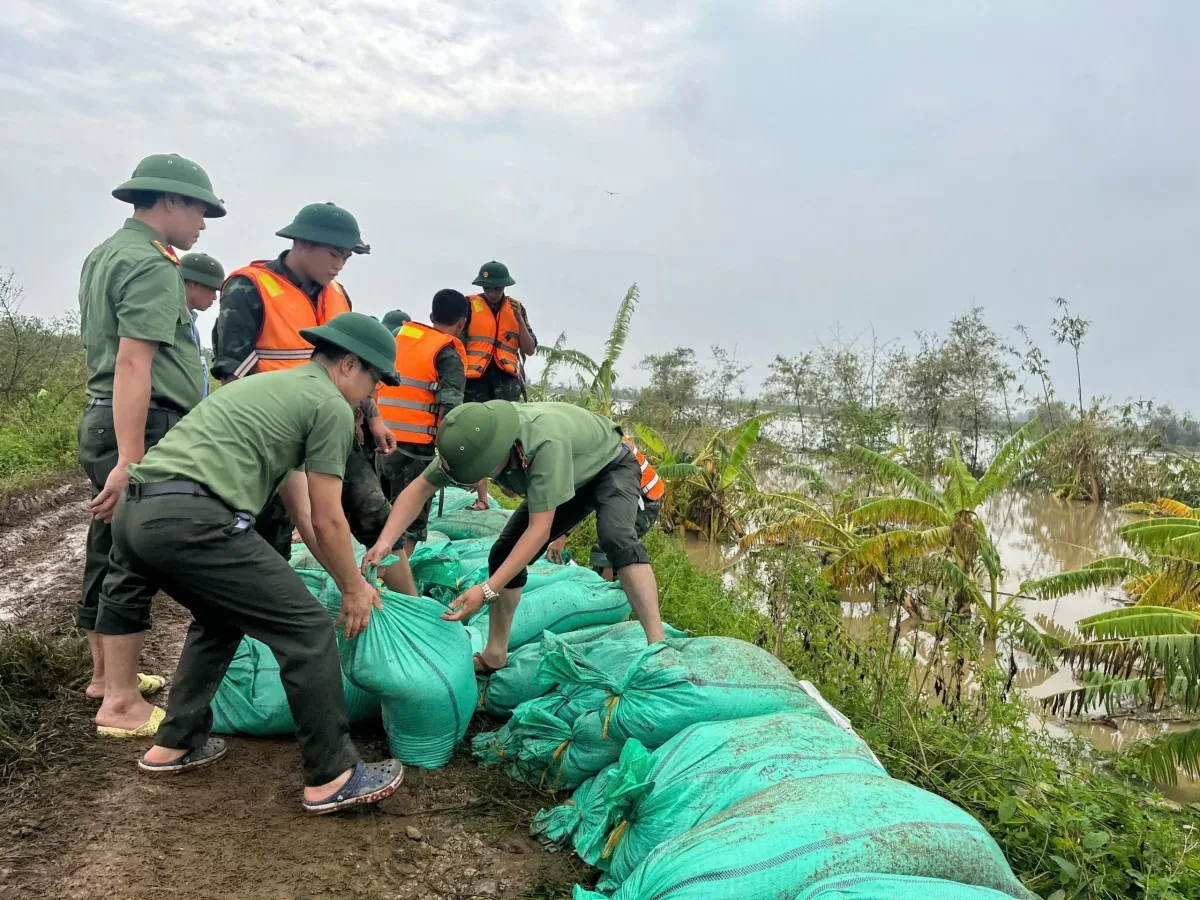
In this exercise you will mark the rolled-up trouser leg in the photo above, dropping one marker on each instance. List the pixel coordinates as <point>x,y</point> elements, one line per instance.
<point>224,572</point>
<point>618,491</point>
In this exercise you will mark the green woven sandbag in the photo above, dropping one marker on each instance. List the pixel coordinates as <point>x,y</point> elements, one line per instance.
<point>540,747</point>
<point>676,683</point>
<point>557,826</point>
<point>435,568</point>
<point>470,523</point>
<point>786,838</point>
<point>251,700</point>
<point>566,599</point>
<point>610,647</point>
<point>420,665</point>
<point>703,771</point>
<point>896,887</point>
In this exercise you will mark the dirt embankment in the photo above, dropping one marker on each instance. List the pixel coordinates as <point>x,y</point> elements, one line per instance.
<point>96,829</point>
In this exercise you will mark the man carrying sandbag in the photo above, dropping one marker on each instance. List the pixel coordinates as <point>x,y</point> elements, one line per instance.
<point>566,462</point>
<point>185,526</point>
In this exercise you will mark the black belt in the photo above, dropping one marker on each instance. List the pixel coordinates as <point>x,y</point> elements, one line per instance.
<point>186,488</point>
<point>107,401</point>
<point>163,488</point>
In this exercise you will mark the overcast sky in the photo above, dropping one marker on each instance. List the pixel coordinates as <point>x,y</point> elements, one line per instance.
<point>780,168</point>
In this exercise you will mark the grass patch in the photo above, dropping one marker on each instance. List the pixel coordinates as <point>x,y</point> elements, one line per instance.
<point>44,718</point>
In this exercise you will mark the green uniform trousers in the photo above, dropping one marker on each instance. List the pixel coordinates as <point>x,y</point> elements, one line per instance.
<point>396,472</point>
<point>98,457</point>
<point>363,502</point>
<point>210,560</point>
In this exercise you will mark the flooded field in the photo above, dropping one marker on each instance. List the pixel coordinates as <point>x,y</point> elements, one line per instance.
<point>1038,535</point>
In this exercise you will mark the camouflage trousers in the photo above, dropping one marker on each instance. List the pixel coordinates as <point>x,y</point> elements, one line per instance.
<point>363,502</point>
<point>398,471</point>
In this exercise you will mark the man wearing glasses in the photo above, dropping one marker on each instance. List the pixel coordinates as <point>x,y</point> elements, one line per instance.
<point>264,308</point>
<point>566,463</point>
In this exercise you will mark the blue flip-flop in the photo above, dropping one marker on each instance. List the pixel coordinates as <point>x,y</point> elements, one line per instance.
<point>213,750</point>
<point>368,783</point>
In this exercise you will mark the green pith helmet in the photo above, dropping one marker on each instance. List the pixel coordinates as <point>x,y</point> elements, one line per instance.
<point>326,223</point>
<point>202,269</point>
<point>361,335</point>
<point>396,319</point>
<point>494,274</point>
<point>170,173</point>
<point>475,438</point>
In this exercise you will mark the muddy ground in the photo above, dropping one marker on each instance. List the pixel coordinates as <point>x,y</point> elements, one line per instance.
<point>95,829</point>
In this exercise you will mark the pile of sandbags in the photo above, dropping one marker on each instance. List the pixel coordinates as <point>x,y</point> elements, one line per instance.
<point>611,647</point>
<point>785,839</point>
<point>562,739</point>
<point>648,797</point>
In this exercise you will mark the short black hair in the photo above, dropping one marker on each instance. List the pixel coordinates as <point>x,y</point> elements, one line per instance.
<point>331,352</point>
<point>144,199</point>
<point>449,306</point>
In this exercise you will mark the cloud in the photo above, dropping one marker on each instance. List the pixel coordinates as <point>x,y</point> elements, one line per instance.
<point>360,64</point>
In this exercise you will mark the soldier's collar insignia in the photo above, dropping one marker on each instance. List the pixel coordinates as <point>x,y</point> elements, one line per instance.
<point>168,252</point>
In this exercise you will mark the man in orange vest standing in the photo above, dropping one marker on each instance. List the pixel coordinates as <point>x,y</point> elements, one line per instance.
<point>431,362</point>
<point>264,307</point>
<point>498,336</point>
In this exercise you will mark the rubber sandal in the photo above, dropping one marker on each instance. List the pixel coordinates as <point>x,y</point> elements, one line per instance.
<point>149,685</point>
<point>368,783</point>
<point>214,750</point>
<point>482,669</point>
<point>147,730</point>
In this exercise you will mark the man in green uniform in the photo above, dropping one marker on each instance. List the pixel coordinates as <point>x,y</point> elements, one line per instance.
<point>397,471</point>
<point>323,236</point>
<point>567,463</point>
<point>143,370</point>
<point>202,279</point>
<point>184,526</point>
<point>394,319</point>
<point>494,383</point>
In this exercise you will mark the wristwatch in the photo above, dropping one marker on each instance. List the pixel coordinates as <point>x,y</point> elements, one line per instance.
<point>489,596</point>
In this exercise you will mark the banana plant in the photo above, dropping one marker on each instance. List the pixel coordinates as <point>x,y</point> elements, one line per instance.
<point>599,377</point>
<point>711,490</point>
<point>920,519</point>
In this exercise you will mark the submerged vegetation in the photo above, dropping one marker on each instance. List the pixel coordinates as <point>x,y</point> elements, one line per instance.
<point>859,475</point>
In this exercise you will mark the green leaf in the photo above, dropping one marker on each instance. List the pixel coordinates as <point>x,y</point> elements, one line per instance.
<point>887,469</point>
<point>1069,869</point>
<point>1008,809</point>
<point>1058,895</point>
<point>1094,840</point>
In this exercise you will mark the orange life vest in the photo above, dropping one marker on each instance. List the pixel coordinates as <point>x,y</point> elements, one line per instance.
<point>286,310</point>
<point>411,409</point>
<point>652,486</point>
<point>492,336</point>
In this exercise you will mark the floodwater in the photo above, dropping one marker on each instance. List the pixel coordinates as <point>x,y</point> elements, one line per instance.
<point>1038,535</point>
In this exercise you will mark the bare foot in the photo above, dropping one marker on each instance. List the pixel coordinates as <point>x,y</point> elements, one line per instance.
<point>95,689</point>
<point>157,754</point>
<point>119,714</point>
<point>325,791</point>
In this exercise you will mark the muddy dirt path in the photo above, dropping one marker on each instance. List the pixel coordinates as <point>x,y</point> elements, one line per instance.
<point>95,829</point>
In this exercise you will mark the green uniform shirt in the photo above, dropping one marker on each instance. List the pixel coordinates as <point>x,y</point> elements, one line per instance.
<point>244,440</point>
<point>564,446</point>
<point>241,318</point>
<point>130,288</point>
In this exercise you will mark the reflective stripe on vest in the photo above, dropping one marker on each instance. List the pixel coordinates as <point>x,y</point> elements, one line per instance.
<point>410,409</point>
<point>492,337</point>
<point>286,311</point>
<point>652,486</point>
